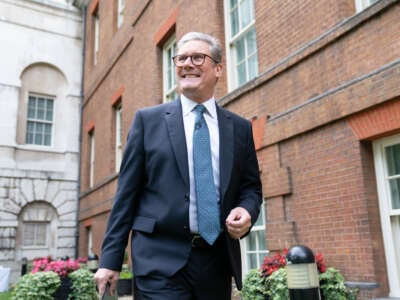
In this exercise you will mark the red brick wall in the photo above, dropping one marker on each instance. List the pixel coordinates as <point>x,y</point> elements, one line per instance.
<point>300,23</point>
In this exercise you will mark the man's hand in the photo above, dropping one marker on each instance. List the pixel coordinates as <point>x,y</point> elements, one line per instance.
<point>238,222</point>
<point>104,276</point>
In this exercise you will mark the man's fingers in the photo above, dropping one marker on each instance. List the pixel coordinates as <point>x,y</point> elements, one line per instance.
<point>106,281</point>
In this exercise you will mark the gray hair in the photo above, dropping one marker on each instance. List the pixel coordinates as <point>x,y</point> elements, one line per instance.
<point>215,46</point>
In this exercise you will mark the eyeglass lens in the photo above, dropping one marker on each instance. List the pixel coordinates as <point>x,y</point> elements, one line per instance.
<point>197,59</point>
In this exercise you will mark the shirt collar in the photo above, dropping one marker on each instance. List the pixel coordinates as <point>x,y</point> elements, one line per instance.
<point>188,105</point>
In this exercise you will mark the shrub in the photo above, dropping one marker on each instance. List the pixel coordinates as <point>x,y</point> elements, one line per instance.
<point>254,287</point>
<point>83,285</point>
<point>333,288</point>
<point>277,285</point>
<point>270,282</point>
<point>38,286</point>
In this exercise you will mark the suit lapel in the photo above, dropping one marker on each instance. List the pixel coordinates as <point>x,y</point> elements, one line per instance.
<point>176,131</point>
<point>225,125</point>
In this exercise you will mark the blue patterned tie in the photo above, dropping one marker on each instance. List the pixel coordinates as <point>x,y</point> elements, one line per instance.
<point>207,206</point>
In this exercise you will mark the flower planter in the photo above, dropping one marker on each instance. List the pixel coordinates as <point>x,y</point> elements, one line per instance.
<point>124,287</point>
<point>64,289</point>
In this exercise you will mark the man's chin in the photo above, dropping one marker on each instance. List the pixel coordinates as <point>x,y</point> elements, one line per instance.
<point>188,89</point>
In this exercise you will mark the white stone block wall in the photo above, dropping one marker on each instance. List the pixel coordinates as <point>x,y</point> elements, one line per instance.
<point>35,32</point>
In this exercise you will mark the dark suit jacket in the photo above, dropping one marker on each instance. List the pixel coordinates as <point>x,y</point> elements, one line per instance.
<point>152,198</point>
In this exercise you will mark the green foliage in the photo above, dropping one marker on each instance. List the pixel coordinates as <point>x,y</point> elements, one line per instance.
<point>333,288</point>
<point>125,273</point>
<point>38,286</point>
<point>5,295</point>
<point>274,286</point>
<point>277,285</point>
<point>254,287</point>
<point>83,285</point>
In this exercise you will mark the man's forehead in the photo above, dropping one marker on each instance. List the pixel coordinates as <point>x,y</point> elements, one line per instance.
<point>194,46</point>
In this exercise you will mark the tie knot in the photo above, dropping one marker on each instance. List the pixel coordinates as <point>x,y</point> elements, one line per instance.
<point>200,109</point>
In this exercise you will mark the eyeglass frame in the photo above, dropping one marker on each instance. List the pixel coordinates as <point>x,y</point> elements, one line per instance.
<point>191,59</point>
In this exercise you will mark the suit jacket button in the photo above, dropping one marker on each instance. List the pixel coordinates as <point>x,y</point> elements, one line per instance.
<point>187,197</point>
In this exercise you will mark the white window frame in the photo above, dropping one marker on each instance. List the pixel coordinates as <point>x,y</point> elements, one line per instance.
<point>96,37</point>
<point>169,76</point>
<point>91,158</point>
<point>118,136</point>
<point>388,215</point>
<point>233,81</point>
<point>120,12</point>
<point>43,121</point>
<point>363,4</point>
<point>38,213</point>
<point>243,244</point>
<point>90,240</point>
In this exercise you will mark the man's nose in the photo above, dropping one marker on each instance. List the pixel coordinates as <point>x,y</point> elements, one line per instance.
<point>188,61</point>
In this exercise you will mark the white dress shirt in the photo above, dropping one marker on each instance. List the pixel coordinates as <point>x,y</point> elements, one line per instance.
<point>211,118</point>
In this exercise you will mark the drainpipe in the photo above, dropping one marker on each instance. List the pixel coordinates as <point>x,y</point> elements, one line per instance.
<point>83,8</point>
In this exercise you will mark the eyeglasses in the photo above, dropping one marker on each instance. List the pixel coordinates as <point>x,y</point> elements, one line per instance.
<point>197,59</point>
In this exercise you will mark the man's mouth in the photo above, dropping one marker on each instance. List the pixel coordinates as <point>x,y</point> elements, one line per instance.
<point>190,76</point>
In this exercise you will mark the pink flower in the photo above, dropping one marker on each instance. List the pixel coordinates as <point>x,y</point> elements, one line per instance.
<point>61,267</point>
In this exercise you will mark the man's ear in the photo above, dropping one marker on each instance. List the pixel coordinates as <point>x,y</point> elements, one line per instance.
<point>218,70</point>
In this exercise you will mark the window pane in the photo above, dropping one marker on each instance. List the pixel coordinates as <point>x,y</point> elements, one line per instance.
<point>260,219</point>
<point>40,234</point>
<point>251,9</point>
<point>29,138</point>
<point>241,70</point>
<point>253,67</point>
<point>252,261</point>
<point>49,110</point>
<point>37,139</point>
<point>39,128</point>
<point>240,51</point>
<point>47,128</point>
<point>40,109</point>
<point>261,240</point>
<point>245,13</point>
<point>31,127</point>
<point>251,42</point>
<point>251,242</point>
<point>234,22</point>
<point>261,257</point>
<point>393,159</point>
<point>395,192</point>
<point>47,140</point>
<point>31,107</point>
<point>28,235</point>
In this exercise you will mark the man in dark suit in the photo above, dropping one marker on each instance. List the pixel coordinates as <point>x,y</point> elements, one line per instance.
<point>188,189</point>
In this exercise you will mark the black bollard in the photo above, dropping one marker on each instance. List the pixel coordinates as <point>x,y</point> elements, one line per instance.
<point>24,266</point>
<point>302,274</point>
<point>93,262</point>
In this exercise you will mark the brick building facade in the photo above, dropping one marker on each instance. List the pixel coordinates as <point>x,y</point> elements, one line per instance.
<point>320,82</point>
